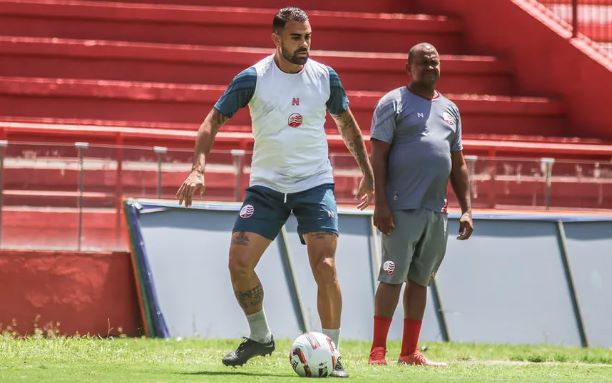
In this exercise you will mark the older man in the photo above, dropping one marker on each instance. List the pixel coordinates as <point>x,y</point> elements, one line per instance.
<point>416,148</point>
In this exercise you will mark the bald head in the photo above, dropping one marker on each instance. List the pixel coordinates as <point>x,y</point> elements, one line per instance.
<point>421,48</point>
<point>423,67</point>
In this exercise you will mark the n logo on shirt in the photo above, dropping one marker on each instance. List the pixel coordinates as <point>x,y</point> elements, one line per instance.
<point>420,115</point>
<point>295,101</point>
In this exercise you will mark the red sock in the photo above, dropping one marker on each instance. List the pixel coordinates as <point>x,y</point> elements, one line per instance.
<point>381,329</point>
<point>410,337</point>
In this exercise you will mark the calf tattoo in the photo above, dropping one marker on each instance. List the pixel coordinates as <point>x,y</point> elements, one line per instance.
<point>251,298</point>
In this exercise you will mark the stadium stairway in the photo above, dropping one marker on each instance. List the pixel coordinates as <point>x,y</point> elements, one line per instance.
<point>168,62</point>
<point>145,72</point>
<point>593,18</point>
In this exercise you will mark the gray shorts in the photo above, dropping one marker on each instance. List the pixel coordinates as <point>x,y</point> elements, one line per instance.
<point>416,247</point>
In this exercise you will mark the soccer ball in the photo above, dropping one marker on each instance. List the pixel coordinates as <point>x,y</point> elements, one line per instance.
<point>313,355</point>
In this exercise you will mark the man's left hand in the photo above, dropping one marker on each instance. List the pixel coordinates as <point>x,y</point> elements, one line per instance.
<point>466,226</point>
<point>365,194</point>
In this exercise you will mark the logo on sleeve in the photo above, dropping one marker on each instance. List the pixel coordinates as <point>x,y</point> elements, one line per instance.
<point>448,118</point>
<point>295,120</point>
<point>247,211</point>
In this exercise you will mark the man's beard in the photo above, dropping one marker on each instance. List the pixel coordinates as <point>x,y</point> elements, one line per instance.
<point>294,58</point>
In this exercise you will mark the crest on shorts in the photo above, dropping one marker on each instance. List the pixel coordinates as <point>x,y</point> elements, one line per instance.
<point>448,118</point>
<point>295,120</point>
<point>247,211</point>
<point>389,267</point>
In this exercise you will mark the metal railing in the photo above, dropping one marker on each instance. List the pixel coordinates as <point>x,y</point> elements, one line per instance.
<point>69,196</point>
<point>591,19</point>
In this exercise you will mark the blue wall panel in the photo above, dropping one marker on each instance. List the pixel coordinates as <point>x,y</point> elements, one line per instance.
<point>589,246</point>
<point>506,285</point>
<point>188,252</point>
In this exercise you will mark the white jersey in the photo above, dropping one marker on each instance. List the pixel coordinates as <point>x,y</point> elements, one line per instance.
<point>288,116</point>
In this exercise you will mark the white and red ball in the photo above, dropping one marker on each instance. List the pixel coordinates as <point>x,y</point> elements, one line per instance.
<point>313,355</point>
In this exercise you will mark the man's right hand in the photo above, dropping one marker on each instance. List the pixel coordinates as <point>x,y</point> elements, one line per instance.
<point>383,219</point>
<point>193,183</point>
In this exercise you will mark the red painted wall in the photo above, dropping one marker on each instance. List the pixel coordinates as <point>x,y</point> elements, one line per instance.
<point>546,63</point>
<point>85,293</point>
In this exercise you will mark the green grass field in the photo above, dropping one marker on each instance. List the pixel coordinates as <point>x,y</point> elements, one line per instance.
<point>58,359</point>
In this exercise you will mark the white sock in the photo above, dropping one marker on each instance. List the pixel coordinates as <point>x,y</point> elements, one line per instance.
<point>334,334</point>
<point>260,332</point>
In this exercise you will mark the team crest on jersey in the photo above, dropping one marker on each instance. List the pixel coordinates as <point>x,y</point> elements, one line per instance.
<point>389,267</point>
<point>448,118</point>
<point>247,211</point>
<point>295,120</point>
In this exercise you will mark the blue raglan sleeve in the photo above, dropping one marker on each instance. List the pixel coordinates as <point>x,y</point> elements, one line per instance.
<point>383,120</point>
<point>338,102</point>
<point>457,145</point>
<point>238,92</point>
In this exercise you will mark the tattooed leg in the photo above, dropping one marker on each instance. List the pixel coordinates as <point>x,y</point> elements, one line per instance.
<point>240,239</point>
<point>251,300</point>
<point>245,251</point>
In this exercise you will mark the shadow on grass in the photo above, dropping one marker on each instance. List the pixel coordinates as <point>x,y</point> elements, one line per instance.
<point>244,373</point>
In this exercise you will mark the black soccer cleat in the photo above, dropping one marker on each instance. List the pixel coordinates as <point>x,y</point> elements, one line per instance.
<point>246,350</point>
<point>339,371</point>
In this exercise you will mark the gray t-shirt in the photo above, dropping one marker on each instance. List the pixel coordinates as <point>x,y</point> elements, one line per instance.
<point>422,134</point>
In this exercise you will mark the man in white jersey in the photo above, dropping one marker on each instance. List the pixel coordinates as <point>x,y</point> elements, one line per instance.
<point>416,148</point>
<point>288,95</point>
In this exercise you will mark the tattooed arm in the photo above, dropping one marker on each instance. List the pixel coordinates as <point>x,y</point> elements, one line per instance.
<point>204,142</point>
<point>351,134</point>
<point>206,136</point>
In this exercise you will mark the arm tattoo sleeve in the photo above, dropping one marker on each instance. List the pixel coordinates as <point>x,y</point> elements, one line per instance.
<point>206,137</point>
<point>217,120</point>
<point>351,134</point>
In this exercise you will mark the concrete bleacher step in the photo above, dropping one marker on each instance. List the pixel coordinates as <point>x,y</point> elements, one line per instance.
<point>308,5</point>
<point>151,62</point>
<point>222,26</point>
<point>185,103</point>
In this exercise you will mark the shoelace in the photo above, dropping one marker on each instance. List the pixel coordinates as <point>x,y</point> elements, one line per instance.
<point>243,345</point>
<point>420,358</point>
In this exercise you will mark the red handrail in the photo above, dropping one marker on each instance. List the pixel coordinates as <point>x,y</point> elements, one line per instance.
<point>588,19</point>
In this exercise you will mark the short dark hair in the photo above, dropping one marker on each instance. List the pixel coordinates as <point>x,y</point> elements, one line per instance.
<point>288,14</point>
<point>418,48</point>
